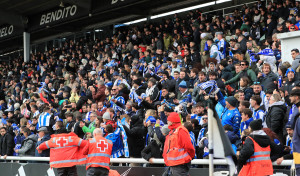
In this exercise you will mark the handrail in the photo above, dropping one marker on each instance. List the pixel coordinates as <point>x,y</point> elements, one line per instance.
<point>139,160</point>
<point>229,7</point>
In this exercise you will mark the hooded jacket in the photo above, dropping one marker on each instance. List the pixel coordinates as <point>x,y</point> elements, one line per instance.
<point>28,146</point>
<point>275,118</point>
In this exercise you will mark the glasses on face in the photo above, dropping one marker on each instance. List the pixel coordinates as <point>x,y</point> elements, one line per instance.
<point>292,28</point>
<point>243,64</point>
<point>113,89</point>
<point>230,61</point>
<point>204,118</point>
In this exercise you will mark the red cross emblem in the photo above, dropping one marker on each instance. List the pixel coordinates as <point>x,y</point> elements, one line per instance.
<point>102,145</point>
<point>62,142</point>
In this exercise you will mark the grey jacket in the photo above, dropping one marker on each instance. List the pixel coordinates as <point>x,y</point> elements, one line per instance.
<point>296,62</point>
<point>28,146</point>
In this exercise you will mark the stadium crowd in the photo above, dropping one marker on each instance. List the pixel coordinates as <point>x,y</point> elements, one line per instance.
<point>129,83</point>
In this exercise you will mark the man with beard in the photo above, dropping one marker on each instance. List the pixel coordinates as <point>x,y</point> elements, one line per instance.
<point>257,89</point>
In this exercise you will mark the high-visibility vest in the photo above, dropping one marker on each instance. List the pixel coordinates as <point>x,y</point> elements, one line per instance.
<point>99,153</point>
<point>174,154</point>
<point>65,150</point>
<point>259,164</point>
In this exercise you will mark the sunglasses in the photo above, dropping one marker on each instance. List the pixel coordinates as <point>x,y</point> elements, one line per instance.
<point>243,64</point>
<point>204,118</point>
<point>256,83</point>
<point>113,89</point>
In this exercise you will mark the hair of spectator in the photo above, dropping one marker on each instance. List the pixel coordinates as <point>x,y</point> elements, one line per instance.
<point>245,103</point>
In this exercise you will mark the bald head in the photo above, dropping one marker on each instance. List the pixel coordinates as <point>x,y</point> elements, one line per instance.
<point>97,132</point>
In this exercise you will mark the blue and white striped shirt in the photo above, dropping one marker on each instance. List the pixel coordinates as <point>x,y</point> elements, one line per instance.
<point>44,120</point>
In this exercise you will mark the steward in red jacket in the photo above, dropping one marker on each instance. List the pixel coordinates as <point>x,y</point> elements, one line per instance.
<point>98,153</point>
<point>178,149</point>
<point>66,151</point>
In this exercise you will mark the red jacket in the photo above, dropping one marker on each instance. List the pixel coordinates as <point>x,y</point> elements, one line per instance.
<point>178,147</point>
<point>98,152</point>
<point>66,150</point>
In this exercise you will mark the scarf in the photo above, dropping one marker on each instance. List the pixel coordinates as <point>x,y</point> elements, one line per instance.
<point>149,91</point>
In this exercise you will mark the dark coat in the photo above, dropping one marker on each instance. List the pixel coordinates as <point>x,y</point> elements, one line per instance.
<point>45,153</point>
<point>267,79</point>
<point>6,145</point>
<point>275,118</point>
<point>136,140</point>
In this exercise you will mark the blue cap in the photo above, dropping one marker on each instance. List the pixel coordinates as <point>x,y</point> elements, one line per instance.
<point>151,118</point>
<point>116,73</point>
<point>183,84</point>
<point>289,70</point>
<point>109,84</point>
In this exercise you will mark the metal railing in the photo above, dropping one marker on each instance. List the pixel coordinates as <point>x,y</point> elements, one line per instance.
<point>139,160</point>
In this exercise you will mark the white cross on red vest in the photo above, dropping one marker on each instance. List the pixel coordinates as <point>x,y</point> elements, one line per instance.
<point>62,142</point>
<point>102,145</point>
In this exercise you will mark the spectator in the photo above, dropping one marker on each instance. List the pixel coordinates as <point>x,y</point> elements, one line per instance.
<point>275,115</point>
<point>28,144</point>
<point>296,58</point>
<point>6,143</point>
<point>246,119</point>
<point>257,141</point>
<point>43,136</point>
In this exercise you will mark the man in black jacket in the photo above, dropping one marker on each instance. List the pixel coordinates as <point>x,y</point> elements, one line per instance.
<point>6,143</point>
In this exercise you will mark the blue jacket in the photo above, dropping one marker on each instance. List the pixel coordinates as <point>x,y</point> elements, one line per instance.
<point>245,124</point>
<point>230,117</point>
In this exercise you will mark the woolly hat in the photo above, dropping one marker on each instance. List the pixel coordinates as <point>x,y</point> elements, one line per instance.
<point>289,70</point>
<point>183,84</point>
<point>256,125</point>
<point>288,125</point>
<point>106,116</point>
<point>165,129</point>
<point>151,118</point>
<point>174,117</point>
<point>232,101</point>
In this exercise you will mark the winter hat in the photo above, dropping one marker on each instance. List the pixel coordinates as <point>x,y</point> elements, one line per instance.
<point>289,70</point>
<point>151,118</point>
<point>256,125</point>
<point>232,101</point>
<point>165,129</point>
<point>109,84</point>
<point>106,116</point>
<point>288,125</point>
<point>174,117</point>
<point>183,84</point>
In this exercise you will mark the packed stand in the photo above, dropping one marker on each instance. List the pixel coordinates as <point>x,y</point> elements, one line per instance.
<point>128,84</point>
